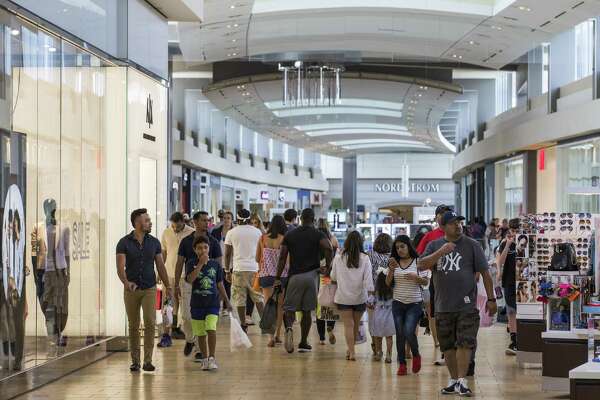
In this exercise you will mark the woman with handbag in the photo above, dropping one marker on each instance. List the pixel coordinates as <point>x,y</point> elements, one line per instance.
<point>322,324</point>
<point>407,307</point>
<point>267,256</point>
<point>351,271</point>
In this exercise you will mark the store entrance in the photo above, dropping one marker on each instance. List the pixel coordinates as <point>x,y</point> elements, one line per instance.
<point>398,213</point>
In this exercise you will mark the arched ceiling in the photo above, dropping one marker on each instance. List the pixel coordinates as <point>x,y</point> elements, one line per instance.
<point>377,113</point>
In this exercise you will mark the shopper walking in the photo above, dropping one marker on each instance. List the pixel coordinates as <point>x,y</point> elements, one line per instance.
<point>324,326</point>
<point>379,257</point>
<point>183,289</point>
<point>170,241</point>
<point>454,260</point>
<point>267,255</point>
<point>241,266</point>
<point>206,278</point>
<point>351,270</point>
<point>137,254</point>
<point>219,232</point>
<point>431,236</point>
<point>407,307</point>
<point>506,261</point>
<point>304,245</point>
<point>381,324</point>
<point>291,216</point>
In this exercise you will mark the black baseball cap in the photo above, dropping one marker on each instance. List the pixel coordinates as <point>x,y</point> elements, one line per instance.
<point>442,208</point>
<point>451,216</point>
<point>243,214</point>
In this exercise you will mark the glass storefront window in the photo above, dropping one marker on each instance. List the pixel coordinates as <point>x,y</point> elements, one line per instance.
<point>53,117</point>
<point>509,188</point>
<point>579,174</point>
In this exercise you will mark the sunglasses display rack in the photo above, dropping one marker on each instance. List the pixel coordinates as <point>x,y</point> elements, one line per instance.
<point>563,293</point>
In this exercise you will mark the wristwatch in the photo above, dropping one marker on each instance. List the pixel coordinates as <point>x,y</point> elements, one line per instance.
<point>492,300</point>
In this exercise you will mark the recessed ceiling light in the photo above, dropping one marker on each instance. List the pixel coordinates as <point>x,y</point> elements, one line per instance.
<point>52,49</point>
<point>498,28</point>
<point>234,54</point>
<point>229,55</point>
<point>232,6</point>
<point>460,57</point>
<point>454,56</point>
<point>15,32</point>
<point>234,40</point>
<point>471,42</point>
<point>235,25</point>
<point>524,8</point>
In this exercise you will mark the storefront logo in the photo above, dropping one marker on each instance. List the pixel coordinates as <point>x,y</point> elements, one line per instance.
<point>412,187</point>
<point>149,116</point>
<point>264,195</point>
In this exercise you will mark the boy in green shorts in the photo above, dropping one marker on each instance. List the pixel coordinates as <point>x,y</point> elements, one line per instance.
<point>206,278</point>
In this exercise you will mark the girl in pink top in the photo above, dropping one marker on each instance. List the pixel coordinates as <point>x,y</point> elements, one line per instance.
<point>267,256</point>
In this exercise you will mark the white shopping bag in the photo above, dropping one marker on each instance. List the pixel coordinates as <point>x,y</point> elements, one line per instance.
<point>238,340</point>
<point>362,330</point>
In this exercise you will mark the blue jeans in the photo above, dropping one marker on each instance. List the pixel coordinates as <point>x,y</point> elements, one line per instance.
<point>406,318</point>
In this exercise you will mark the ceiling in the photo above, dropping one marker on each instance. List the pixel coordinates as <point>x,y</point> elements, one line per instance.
<point>378,113</point>
<point>180,10</point>
<point>486,33</point>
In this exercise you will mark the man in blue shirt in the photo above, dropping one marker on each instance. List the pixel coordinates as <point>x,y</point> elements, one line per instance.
<point>184,291</point>
<point>137,253</point>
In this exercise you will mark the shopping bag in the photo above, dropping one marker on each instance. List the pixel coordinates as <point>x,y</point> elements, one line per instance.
<point>167,313</point>
<point>362,330</point>
<point>268,319</point>
<point>238,340</point>
<point>485,320</point>
<point>326,295</point>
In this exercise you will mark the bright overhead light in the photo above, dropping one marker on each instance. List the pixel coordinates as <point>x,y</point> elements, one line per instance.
<point>358,132</point>
<point>232,6</point>
<point>498,28</point>
<point>235,25</point>
<point>524,8</point>
<point>471,42</point>
<point>52,49</point>
<point>313,111</point>
<point>234,40</point>
<point>348,102</point>
<point>348,125</point>
<point>15,32</point>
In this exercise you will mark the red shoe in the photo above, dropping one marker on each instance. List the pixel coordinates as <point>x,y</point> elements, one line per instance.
<point>416,364</point>
<point>401,370</point>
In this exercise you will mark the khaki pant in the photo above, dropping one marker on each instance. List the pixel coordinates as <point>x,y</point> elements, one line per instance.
<point>146,299</point>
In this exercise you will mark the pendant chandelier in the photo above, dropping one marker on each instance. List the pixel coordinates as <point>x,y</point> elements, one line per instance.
<point>306,85</point>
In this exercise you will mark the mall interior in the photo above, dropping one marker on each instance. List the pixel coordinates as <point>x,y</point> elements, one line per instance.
<point>373,114</point>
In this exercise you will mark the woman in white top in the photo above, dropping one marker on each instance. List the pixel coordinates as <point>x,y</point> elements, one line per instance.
<point>352,271</point>
<point>407,307</point>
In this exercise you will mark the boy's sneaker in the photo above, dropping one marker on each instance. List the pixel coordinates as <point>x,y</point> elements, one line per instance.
<point>187,350</point>
<point>198,357</point>
<point>451,388</point>
<point>204,364</point>
<point>134,367</point>
<point>511,350</point>
<point>212,364</point>
<point>304,348</point>
<point>148,367</point>
<point>462,388</point>
<point>289,340</point>
<point>165,341</point>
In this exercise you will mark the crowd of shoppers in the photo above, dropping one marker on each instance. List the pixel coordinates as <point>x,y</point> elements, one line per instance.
<point>396,284</point>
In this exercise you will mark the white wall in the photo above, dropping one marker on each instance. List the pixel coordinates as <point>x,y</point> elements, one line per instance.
<point>384,166</point>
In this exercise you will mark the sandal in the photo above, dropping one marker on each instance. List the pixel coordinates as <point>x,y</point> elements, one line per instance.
<point>277,340</point>
<point>271,343</point>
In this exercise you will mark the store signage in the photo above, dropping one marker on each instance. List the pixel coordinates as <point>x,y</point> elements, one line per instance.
<point>281,195</point>
<point>149,116</point>
<point>412,187</point>
<point>81,240</point>
<point>264,195</point>
<point>316,199</point>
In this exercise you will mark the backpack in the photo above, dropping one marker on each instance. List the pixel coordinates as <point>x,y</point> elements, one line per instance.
<point>564,258</point>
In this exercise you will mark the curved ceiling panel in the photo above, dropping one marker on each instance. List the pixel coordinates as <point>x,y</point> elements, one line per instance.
<point>357,125</point>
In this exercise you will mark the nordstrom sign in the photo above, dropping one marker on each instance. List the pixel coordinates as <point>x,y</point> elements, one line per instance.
<point>412,187</point>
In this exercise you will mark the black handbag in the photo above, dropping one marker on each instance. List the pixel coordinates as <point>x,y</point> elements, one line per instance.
<point>269,316</point>
<point>564,258</point>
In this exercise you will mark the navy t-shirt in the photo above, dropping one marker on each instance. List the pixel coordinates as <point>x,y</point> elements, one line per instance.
<point>186,248</point>
<point>205,293</point>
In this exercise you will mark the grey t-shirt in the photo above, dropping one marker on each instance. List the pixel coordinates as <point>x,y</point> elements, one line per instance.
<point>454,275</point>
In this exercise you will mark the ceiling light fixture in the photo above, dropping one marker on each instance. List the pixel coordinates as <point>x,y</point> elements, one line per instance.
<point>232,6</point>
<point>524,8</point>
<point>52,49</point>
<point>15,32</point>
<point>311,84</point>
<point>471,42</point>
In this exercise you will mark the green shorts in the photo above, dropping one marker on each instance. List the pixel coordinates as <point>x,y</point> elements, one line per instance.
<point>200,326</point>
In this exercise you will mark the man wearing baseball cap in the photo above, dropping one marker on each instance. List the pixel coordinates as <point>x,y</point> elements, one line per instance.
<point>240,264</point>
<point>429,237</point>
<point>454,261</point>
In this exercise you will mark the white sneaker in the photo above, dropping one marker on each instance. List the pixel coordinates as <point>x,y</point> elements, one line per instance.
<point>439,362</point>
<point>212,364</point>
<point>204,364</point>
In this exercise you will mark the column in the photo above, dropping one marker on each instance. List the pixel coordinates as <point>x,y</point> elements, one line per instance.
<point>349,182</point>
<point>530,182</point>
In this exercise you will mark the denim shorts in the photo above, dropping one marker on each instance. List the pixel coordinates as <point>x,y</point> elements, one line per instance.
<point>354,307</point>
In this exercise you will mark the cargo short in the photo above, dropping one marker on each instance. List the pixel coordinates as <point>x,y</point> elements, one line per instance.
<point>457,329</point>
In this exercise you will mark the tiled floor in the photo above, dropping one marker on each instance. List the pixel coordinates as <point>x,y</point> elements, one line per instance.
<point>264,373</point>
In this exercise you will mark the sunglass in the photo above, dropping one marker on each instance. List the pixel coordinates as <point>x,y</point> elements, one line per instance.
<point>584,221</point>
<point>585,227</point>
<point>565,228</point>
<point>549,214</point>
<point>552,221</point>
<point>566,221</point>
<point>585,215</point>
<point>584,240</point>
<point>565,215</point>
<point>580,246</point>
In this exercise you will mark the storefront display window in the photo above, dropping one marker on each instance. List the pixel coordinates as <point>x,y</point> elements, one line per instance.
<point>509,188</point>
<point>52,126</point>
<point>579,174</point>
